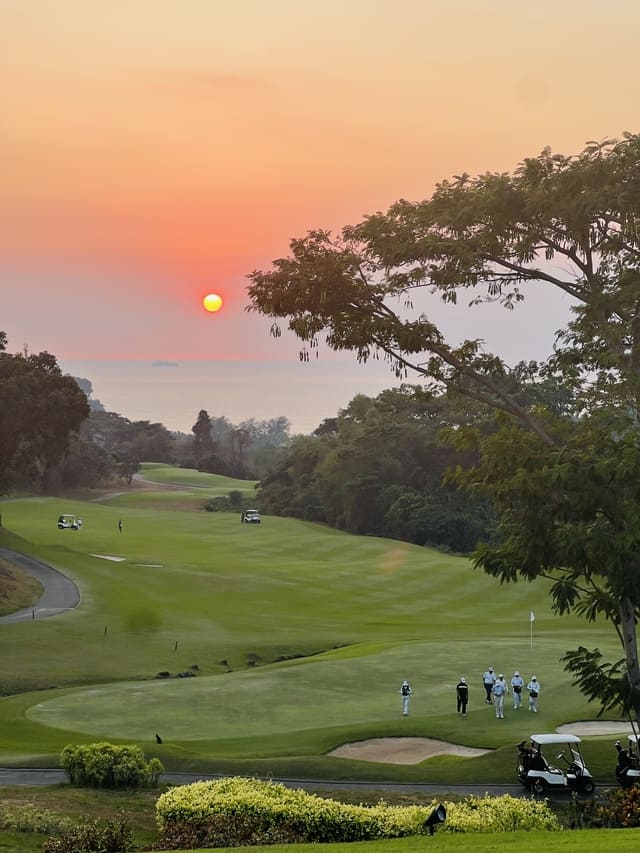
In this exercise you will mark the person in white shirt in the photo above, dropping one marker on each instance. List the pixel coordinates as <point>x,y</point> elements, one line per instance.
<point>405,692</point>
<point>488,680</point>
<point>534,691</point>
<point>498,692</point>
<point>517,683</point>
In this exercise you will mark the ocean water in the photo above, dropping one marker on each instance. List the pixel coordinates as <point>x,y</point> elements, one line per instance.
<point>173,393</point>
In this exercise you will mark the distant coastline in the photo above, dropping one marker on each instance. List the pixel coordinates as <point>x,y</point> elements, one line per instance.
<point>164,364</point>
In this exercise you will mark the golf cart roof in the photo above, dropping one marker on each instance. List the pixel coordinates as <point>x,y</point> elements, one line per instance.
<point>554,738</point>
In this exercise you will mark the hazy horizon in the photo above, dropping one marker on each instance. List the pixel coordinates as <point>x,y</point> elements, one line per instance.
<point>155,152</point>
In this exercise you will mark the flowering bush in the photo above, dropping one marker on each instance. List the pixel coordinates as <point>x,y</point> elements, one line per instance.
<point>618,807</point>
<point>103,765</point>
<point>499,814</point>
<point>236,811</point>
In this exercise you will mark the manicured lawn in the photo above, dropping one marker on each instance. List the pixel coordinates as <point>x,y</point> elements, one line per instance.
<point>584,841</point>
<point>186,490</point>
<point>214,483</point>
<point>300,634</point>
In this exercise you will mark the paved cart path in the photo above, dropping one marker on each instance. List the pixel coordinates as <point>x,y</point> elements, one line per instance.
<point>60,592</point>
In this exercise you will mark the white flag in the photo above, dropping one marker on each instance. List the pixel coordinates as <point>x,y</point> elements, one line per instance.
<point>531,616</point>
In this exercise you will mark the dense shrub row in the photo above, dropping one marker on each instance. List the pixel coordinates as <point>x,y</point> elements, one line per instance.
<point>617,807</point>
<point>236,811</point>
<point>103,765</point>
<point>93,836</point>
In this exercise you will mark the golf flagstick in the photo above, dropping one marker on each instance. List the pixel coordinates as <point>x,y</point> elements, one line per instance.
<point>531,619</point>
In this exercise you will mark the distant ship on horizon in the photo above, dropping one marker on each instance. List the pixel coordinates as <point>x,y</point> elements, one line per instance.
<point>164,364</point>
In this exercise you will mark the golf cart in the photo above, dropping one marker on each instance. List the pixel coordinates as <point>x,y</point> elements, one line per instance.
<point>628,764</point>
<point>69,522</point>
<point>251,516</point>
<point>537,774</point>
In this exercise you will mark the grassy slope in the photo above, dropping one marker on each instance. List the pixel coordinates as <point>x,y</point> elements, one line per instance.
<point>586,841</point>
<point>199,588</point>
<point>17,589</point>
<point>215,484</point>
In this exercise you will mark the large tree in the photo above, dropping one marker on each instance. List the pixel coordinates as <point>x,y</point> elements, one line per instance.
<point>40,409</point>
<point>563,223</point>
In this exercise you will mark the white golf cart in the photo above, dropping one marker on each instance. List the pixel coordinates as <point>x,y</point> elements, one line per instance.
<point>628,764</point>
<point>69,522</point>
<point>537,774</point>
<point>251,516</point>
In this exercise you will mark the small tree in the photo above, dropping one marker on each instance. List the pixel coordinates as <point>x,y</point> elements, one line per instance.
<point>202,443</point>
<point>104,765</point>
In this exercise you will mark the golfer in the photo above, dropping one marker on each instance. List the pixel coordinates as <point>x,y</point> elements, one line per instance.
<point>498,692</point>
<point>517,683</point>
<point>462,696</point>
<point>405,692</point>
<point>534,691</point>
<point>488,680</point>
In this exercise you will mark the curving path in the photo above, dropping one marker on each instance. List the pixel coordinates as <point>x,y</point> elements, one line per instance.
<point>60,592</point>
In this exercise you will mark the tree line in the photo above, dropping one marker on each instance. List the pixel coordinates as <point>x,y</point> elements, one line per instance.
<point>54,435</point>
<point>379,468</point>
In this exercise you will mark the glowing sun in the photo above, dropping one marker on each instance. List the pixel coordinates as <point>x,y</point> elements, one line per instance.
<point>212,302</point>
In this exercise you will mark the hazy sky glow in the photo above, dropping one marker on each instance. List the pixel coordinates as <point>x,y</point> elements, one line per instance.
<point>154,151</point>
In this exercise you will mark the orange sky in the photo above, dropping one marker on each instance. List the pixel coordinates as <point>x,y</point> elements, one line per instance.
<point>155,150</point>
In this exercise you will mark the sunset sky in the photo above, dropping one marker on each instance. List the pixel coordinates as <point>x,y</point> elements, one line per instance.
<point>153,151</point>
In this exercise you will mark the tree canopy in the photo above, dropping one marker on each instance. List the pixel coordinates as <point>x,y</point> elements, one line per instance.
<point>40,409</point>
<point>379,471</point>
<point>561,476</point>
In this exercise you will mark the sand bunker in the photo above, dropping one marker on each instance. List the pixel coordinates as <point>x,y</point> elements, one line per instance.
<point>402,750</point>
<point>109,557</point>
<point>595,727</point>
<point>413,750</point>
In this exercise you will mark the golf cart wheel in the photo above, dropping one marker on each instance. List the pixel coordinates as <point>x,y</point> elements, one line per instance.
<point>588,787</point>
<point>539,786</point>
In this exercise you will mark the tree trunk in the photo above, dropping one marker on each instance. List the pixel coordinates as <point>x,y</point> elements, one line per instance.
<point>630,642</point>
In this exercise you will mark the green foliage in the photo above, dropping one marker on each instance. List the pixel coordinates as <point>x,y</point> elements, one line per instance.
<point>248,450</point>
<point>27,817</point>
<point>585,541</point>
<point>237,811</point>
<point>605,683</point>
<point>93,836</point>
<point>565,223</point>
<point>221,503</point>
<point>236,498</point>
<point>103,765</point>
<point>499,814</point>
<point>380,469</point>
<point>40,410</point>
<point>616,808</point>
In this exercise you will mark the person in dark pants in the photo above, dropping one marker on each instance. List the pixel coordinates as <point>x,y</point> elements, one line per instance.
<point>488,680</point>
<point>120,525</point>
<point>462,696</point>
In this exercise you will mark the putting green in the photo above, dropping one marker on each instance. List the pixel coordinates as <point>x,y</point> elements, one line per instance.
<point>334,689</point>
